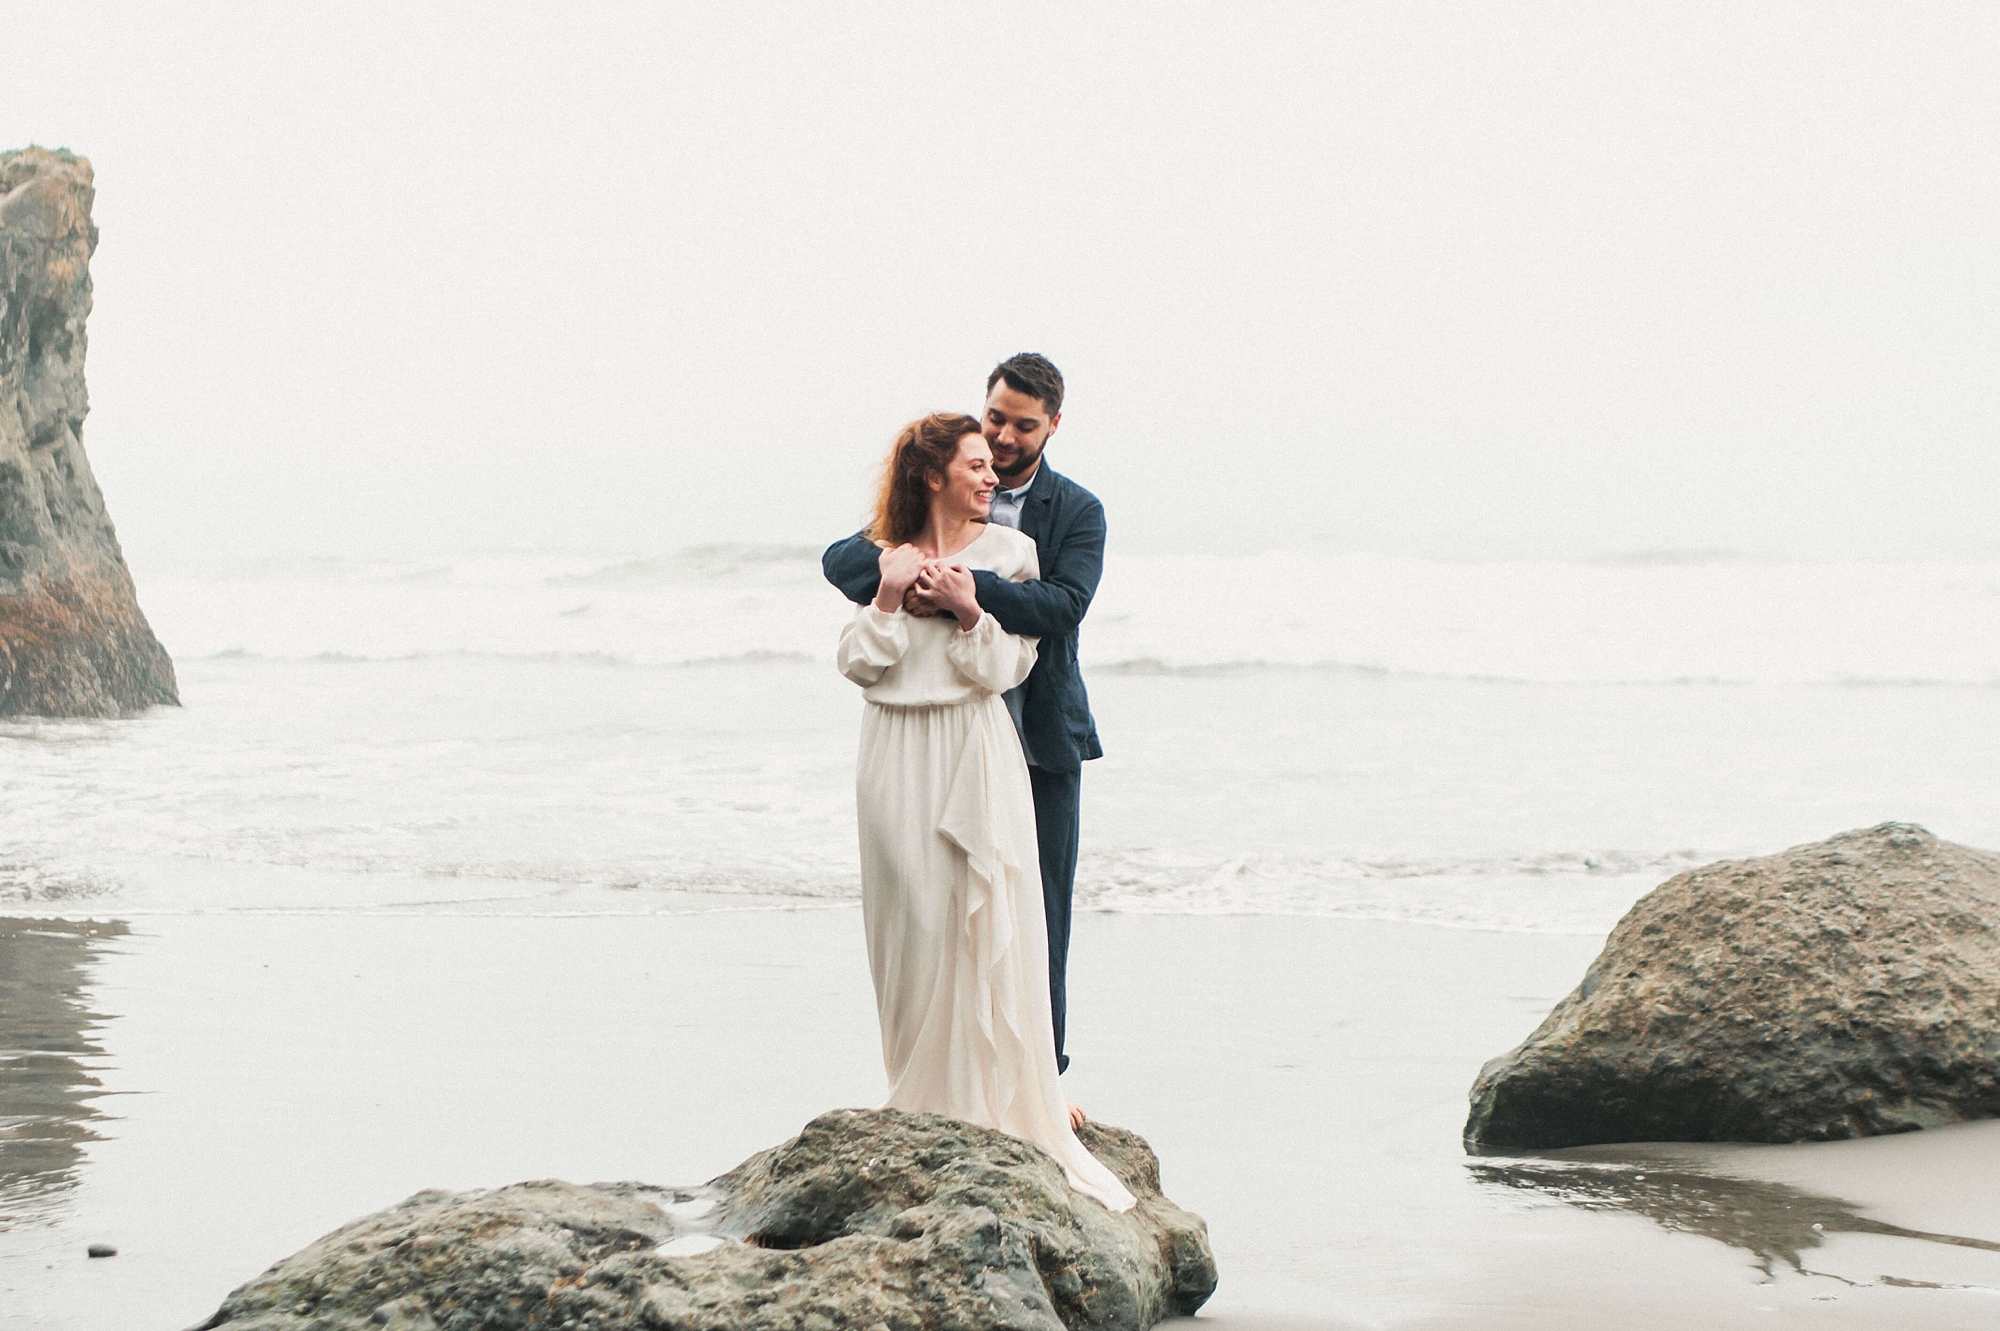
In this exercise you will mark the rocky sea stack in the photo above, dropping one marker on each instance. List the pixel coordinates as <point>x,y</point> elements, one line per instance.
<point>72,639</point>
<point>868,1218</point>
<point>1846,988</point>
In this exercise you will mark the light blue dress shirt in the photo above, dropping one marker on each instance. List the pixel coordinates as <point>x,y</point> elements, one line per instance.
<point>1007,504</point>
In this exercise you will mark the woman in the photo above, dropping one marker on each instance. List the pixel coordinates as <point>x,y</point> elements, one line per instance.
<point>951,886</point>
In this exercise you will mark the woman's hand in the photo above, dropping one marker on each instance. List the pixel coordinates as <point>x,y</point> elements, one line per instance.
<point>950,586</point>
<point>900,566</point>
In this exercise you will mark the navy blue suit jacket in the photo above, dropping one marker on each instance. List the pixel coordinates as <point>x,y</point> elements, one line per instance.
<point>1066,522</point>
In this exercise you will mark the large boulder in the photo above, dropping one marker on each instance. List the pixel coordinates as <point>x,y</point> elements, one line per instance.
<point>868,1218</point>
<point>72,639</point>
<point>1846,988</point>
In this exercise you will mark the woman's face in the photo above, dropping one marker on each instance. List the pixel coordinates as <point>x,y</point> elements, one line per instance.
<point>967,491</point>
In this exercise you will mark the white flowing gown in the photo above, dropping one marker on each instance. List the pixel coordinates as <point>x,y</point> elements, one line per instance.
<point>951,883</point>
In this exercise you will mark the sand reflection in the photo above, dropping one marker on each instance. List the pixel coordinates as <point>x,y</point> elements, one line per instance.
<point>47,1059</point>
<point>1774,1222</point>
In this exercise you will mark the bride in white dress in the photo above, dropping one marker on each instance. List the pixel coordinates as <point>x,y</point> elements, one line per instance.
<point>951,885</point>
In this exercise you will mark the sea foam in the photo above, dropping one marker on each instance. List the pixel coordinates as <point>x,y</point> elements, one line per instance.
<point>1613,622</point>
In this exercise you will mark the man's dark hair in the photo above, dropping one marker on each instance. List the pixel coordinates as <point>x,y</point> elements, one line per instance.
<point>1033,374</point>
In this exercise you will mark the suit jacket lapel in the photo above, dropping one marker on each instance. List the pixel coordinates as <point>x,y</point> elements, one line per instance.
<point>1035,512</point>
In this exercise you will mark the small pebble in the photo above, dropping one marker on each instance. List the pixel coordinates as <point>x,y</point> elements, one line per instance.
<point>102,1250</point>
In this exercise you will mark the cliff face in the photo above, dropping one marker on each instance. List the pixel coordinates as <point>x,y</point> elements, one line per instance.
<point>72,639</point>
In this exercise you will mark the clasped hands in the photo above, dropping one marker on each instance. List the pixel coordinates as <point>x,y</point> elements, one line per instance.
<point>915,582</point>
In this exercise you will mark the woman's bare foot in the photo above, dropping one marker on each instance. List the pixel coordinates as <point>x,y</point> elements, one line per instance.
<point>1077,1118</point>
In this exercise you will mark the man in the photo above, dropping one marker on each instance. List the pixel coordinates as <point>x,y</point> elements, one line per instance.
<point>1024,397</point>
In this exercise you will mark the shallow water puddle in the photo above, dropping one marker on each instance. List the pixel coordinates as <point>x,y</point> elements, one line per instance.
<point>48,1062</point>
<point>1778,1224</point>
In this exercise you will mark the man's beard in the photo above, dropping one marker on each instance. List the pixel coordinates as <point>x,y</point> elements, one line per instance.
<point>1020,467</point>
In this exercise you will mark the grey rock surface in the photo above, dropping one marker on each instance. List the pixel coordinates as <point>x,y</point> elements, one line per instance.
<point>1846,988</point>
<point>72,639</point>
<point>868,1218</point>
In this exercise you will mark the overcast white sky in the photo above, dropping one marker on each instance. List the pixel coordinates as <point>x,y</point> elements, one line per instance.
<point>1455,279</point>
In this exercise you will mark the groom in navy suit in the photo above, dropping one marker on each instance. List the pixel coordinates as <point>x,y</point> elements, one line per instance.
<point>1024,397</point>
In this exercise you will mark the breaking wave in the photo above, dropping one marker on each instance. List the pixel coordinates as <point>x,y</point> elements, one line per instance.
<point>1644,621</point>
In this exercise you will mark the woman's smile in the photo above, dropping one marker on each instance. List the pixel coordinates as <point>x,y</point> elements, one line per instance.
<point>969,483</point>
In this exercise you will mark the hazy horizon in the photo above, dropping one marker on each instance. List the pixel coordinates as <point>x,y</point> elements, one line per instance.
<point>1549,281</point>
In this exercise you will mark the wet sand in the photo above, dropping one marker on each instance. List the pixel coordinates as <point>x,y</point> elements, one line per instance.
<point>268,1077</point>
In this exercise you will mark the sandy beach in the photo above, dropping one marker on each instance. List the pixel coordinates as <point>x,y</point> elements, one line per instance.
<point>268,1077</point>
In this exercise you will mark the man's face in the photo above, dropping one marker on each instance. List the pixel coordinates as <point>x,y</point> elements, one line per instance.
<point>1017,429</point>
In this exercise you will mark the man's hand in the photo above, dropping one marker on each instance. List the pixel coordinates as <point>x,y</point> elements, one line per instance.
<point>952,588</point>
<point>921,605</point>
<point>900,566</point>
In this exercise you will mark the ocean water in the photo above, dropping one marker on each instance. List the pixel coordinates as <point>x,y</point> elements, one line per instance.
<point>1519,746</point>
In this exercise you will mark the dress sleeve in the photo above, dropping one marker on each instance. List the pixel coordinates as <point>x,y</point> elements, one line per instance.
<point>872,642</point>
<point>990,656</point>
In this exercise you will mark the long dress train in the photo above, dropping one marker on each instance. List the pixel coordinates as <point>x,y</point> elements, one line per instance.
<point>951,883</point>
